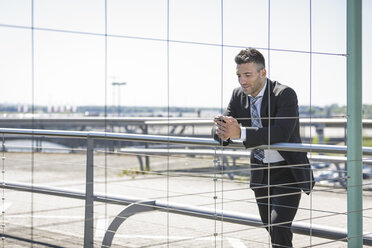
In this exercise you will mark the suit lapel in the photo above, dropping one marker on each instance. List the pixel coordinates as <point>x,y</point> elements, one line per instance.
<point>248,111</point>
<point>265,100</point>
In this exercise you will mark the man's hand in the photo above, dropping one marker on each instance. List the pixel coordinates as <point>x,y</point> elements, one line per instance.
<point>227,127</point>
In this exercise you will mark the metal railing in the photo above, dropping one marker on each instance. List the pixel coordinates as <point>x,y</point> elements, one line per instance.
<point>146,205</point>
<point>296,147</point>
<point>162,121</point>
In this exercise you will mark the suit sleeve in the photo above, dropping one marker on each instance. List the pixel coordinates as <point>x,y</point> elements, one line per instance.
<point>231,108</point>
<point>283,125</point>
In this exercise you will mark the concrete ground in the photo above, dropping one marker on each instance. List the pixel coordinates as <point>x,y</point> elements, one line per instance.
<point>50,221</point>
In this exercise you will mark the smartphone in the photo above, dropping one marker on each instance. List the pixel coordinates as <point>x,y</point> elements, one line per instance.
<point>219,119</point>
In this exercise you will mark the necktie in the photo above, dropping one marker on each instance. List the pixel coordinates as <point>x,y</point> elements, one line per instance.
<point>259,154</point>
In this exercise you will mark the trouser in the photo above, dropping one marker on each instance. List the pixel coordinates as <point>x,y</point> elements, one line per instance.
<point>277,212</point>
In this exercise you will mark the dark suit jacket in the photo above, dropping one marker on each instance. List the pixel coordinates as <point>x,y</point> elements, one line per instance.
<point>284,127</point>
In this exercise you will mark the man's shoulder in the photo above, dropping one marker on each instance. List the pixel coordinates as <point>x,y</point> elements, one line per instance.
<point>238,91</point>
<point>279,89</point>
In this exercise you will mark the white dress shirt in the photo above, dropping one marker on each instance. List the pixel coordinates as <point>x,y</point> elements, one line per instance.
<point>271,156</point>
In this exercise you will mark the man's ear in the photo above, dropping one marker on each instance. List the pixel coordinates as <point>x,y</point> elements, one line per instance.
<point>263,73</point>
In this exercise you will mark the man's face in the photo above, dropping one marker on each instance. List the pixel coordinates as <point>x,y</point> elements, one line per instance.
<point>251,80</point>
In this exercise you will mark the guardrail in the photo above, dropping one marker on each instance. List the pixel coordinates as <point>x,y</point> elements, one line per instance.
<point>328,122</point>
<point>146,205</point>
<point>297,147</point>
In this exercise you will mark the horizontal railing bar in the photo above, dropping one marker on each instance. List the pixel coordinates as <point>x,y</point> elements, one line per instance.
<point>112,136</point>
<point>178,140</point>
<point>235,154</point>
<point>179,151</point>
<point>183,209</point>
<point>316,230</point>
<point>201,122</point>
<point>45,132</point>
<point>83,120</point>
<point>328,122</point>
<point>298,147</point>
<point>66,193</point>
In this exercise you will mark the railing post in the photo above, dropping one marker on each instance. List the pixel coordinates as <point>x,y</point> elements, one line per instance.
<point>354,124</point>
<point>89,197</point>
<point>147,158</point>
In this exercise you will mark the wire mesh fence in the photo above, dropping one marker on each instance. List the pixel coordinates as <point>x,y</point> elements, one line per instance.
<point>171,177</point>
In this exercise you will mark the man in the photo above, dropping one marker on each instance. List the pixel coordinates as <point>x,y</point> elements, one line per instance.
<point>263,112</point>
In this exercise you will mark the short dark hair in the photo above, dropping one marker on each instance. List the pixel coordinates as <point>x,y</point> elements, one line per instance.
<point>250,55</point>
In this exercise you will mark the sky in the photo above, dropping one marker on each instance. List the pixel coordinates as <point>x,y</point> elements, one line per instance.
<point>73,65</point>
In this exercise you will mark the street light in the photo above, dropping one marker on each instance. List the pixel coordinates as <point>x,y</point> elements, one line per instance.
<point>118,84</point>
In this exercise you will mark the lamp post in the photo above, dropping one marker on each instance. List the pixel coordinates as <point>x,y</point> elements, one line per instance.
<point>118,84</point>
